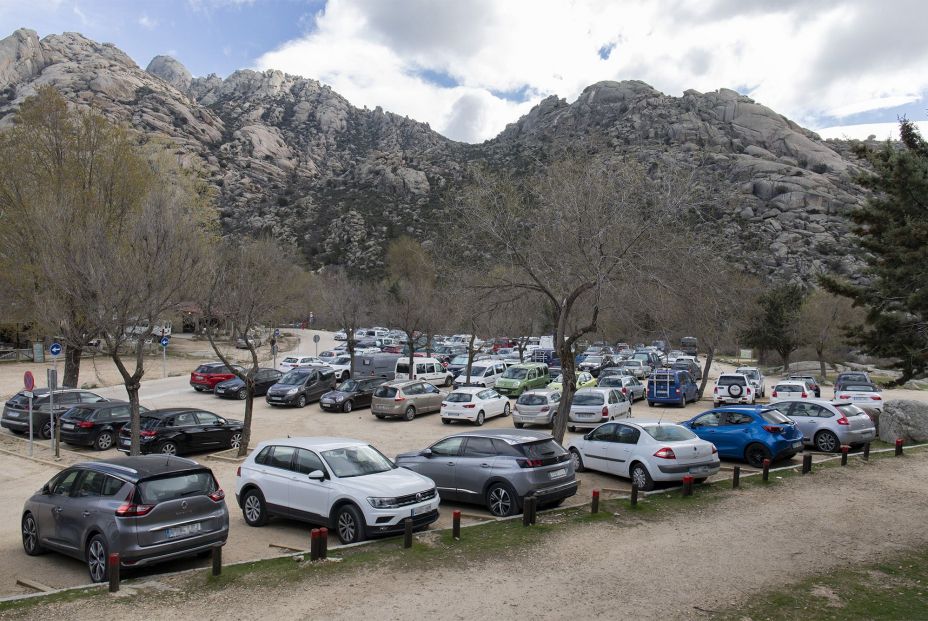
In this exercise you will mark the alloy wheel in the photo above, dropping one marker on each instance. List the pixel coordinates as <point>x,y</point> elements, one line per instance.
<point>96,560</point>
<point>168,448</point>
<point>639,477</point>
<point>826,442</point>
<point>236,440</point>
<point>500,501</point>
<point>30,534</point>
<point>104,441</point>
<point>252,508</point>
<point>347,527</point>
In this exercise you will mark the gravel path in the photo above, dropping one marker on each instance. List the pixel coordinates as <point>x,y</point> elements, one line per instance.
<point>706,559</point>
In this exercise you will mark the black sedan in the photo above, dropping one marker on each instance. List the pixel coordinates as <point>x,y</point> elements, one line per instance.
<point>95,424</point>
<point>235,388</point>
<point>350,394</point>
<point>175,431</point>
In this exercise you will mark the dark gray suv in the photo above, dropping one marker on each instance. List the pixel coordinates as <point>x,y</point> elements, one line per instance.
<point>497,468</point>
<point>149,509</point>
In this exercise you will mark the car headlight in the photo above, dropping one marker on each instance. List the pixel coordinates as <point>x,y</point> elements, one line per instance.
<point>292,392</point>
<point>382,503</point>
<point>340,398</point>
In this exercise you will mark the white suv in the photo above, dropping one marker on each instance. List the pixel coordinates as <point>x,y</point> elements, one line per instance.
<point>733,388</point>
<point>345,485</point>
<point>756,378</point>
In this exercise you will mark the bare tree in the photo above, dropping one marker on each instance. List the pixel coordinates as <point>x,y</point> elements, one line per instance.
<point>573,235</point>
<point>823,319</point>
<point>252,283</point>
<point>347,303</point>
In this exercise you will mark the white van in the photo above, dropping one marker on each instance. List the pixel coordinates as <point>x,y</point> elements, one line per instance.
<point>482,373</point>
<point>427,369</point>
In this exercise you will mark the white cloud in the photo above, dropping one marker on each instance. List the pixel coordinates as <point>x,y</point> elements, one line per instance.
<point>147,22</point>
<point>375,52</point>
<point>862,131</point>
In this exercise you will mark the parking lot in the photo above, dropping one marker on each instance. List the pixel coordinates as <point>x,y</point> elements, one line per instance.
<point>22,477</point>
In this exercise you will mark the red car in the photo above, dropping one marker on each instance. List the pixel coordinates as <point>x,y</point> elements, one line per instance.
<point>392,349</point>
<point>208,375</point>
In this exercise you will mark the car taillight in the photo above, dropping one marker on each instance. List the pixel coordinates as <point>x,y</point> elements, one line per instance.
<point>147,434</point>
<point>85,424</point>
<point>218,495</point>
<point>130,509</point>
<point>665,453</point>
<point>876,398</point>
<point>238,471</point>
<point>399,398</point>
<point>773,429</point>
<point>605,412</point>
<point>714,450</point>
<point>845,397</point>
<point>843,420</point>
<point>773,394</point>
<point>544,408</point>
<point>805,396</point>
<point>624,390</point>
<point>749,391</point>
<point>676,390</point>
<point>715,390</point>
<point>470,406</point>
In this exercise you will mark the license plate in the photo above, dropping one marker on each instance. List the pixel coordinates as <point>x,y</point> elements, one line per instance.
<point>700,470</point>
<point>423,509</point>
<point>797,444</point>
<point>67,426</point>
<point>326,402</point>
<point>14,414</point>
<point>451,413</point>
<point>183,531</point>
<point>556,474</point>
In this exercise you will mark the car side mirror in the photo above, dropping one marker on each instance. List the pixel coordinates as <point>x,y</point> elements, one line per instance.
<point>221,422</point>
<point>316,475</point>
<point>45,490</point>
<point>426,452</point>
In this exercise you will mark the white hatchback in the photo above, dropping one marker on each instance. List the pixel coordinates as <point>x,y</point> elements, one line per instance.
<point>792,390</point>
<point>593,406</point>
<point>645,452</point>
<point>294,362</point>
<point>474,404</point>
<point>345,485</point>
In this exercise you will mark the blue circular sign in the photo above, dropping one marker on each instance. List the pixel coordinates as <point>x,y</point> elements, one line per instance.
<point>277,332</point>
<point>55,349</point>
<point>164,341</point>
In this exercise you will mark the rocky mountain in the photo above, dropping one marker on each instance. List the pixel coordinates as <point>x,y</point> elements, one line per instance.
<point>290,157</point>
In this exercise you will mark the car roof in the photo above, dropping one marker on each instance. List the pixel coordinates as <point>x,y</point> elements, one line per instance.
<point>595,389</point>
<point>646,422</point>
<point>790,383</point>
<point>510,436</point>
<point>165,412</point>
<point>471,390</point>
<point>140,467</point>
<point>316,443</point>
<point>101,404</point>
<point>541,391</point>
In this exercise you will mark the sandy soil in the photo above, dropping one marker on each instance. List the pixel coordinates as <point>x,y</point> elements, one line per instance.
<point>756,539</point>
<point>20,478</point>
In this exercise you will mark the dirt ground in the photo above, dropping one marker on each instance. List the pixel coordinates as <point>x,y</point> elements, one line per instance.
<point>705,560</point>
<point>19,478</point>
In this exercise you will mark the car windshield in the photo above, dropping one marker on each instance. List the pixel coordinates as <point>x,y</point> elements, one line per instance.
<point>385,392</point>
<point>294,377</point>
<point>290,360</point>
<point>343,360</point>
<point>750,374</point>
<point>610,381</point>
<point>356,461</point>
<point>731,380</point>
<point>349,386</point>
<point>78,413</point>
<point>788,388</point>
<point>545,449</point>
<point>459,360</point>
<point>850,410</point>
<point>19,400</point>
<point>860,388</point>
<point>515,373</point>
<point>669,433</point>
<point>182,485</point>
<point>211,368</point>
<point>558,379</point>
<point>529,399</point>
<point>588,398</point>
<point>593,360</point>
<point>853,377</point>
<point>149,423</point>
<point>459,397</point>
<point>774,416</point>
<point>477,371</point>
<point>633,363</point>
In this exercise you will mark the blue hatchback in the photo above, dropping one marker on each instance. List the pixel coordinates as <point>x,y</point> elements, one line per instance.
<point>751,433</point>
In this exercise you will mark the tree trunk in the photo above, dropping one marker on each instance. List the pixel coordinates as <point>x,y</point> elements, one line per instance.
<point>135,418</point>
<point>350,344</point>
<point>820,352</point>
<point>412,350</point>
<point>785,357</point>
<point>72,366</point>
<point>246,424</point>
<point>568,388</point>
<point>710,354</point>
<point>470,358</point>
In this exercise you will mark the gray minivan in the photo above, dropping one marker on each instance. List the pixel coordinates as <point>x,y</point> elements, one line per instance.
<point>375,365</point>
<point>148,509</point>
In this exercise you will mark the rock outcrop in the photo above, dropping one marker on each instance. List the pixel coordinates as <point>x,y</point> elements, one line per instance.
<point>906,419</point>
<point>290,157</point>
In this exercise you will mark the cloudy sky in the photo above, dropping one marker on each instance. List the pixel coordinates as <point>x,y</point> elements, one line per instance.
<point>468,67</point>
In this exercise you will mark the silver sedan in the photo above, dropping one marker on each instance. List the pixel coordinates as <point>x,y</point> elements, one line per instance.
<point>826,425</point>
<point>536,407</point>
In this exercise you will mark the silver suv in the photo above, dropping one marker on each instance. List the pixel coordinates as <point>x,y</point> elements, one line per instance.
<point>497,469</point>
<point>149,509</point>
<point>756,378</point>
<point>405,399</point>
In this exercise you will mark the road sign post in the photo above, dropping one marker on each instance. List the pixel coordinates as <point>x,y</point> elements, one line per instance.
<point>55,350</point>
<point>316,341</point>
<point>52,385</point>
<point>164,354</point>
<point>29,385</point>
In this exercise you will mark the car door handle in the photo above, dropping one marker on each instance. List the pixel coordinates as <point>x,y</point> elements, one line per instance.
<point>59,509</point>
<point>450,463</point>
<point>87,513</point>
<point>484,465</point>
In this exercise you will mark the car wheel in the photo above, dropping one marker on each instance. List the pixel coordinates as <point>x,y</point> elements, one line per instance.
<point>301,402</point>
<point>576,460</point>
<point>571,428</point>
<point>755,454</point>
<point>519,425</point>
<point>198,389</point>
<point>446,421</point>
<point>506,410</point>
<point>447,381</point>
<point>243,394</point>
<point>682,401</point>
<point>480,418</point>
<point>254,510</point>
<point>715,404</point>
<point>641,477</point>
<point>46,430</point>
<point>347,407</point>
<point>96,557</point>
<point>380,416</point>
<point>409,414</point>
<point>827,442</point>
<point>236,440</point>
<point>345,375</point>
<point>349,524</point>
<point>501,500</point>
<point>31,536</point>
<point>650,404</point>
<point>104,441</point>
<point>168,448</point>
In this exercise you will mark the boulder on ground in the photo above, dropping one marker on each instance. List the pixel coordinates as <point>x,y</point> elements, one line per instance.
<point>906,419</point>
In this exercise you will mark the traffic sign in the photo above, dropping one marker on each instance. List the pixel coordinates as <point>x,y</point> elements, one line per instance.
<point>315,338</point>
<point>55,349</point>
<point>28,381</point>
<point>164,341</point>
<point>277,332</point>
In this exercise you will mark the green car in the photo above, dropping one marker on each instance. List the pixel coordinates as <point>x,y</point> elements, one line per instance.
<point>584,380</point>
<point>521,377</point>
